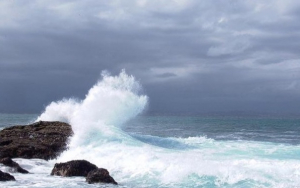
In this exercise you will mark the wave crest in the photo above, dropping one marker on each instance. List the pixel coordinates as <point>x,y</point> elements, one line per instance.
<point>112,101</point>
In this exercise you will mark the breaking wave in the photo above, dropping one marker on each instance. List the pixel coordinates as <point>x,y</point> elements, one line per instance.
<point>148,161</point>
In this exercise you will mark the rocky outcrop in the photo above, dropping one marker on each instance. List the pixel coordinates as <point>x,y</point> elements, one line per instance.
<point>83,168</point>
<point>100,175</point>
<point>15,166</point>
<point>73,168</point>
<point>6,177</point>
<point>43,140</point>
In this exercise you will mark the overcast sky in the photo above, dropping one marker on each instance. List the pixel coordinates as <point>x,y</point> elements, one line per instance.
<point>191,56</point>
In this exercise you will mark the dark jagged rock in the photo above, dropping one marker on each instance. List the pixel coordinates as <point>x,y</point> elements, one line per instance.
<point>100,175</point>
<point>73,168</point>
<point>6,177</point>
<point>15,166</point>
<point>43,140</point>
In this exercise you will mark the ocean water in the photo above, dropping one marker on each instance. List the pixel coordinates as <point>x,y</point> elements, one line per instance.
<point>140,150</point>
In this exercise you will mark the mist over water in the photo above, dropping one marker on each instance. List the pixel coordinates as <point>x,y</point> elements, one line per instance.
<point>137,160</point>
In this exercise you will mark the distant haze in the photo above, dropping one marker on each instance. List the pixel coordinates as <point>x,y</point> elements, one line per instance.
<point>190,56</point>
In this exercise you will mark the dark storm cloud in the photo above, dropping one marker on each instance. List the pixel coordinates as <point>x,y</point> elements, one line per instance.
<point>199,56</point>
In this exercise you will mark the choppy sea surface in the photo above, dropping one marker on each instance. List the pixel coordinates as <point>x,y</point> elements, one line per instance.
<point>163,151</point>
<point>182,151</point>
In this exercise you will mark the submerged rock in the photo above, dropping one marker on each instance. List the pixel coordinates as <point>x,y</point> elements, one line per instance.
<point>6,177</point>
<point>100,175</point>
<point>15,166</point>
<point>43,140</point>
<point>73,168</point>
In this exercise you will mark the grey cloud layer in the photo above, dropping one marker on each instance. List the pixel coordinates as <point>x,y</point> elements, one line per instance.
<point>190,55</point>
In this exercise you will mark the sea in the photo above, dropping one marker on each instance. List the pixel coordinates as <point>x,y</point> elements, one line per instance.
<point>114,131</point>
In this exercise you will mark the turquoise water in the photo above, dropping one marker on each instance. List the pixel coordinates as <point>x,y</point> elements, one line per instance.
<point>163,151</point>
<point>284,130</point>
<point>186,151</point>
<point>16,119</point>
<point>266,129</point>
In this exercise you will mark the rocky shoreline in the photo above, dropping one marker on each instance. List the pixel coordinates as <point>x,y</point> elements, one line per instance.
<point>42,140</point>
<point>45,140</point>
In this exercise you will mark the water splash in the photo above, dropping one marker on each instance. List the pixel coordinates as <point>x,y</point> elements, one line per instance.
<point>109,103</point>
<point>147,161</point>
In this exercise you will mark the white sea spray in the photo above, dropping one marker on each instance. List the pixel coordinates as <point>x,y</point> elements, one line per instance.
<point>149,161</point>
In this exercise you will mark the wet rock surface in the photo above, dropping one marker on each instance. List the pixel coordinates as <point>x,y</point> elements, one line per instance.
<point>6,177</point>
<point>100,175</point>
<point>43,140</point>
<point>83,168</point>
<point>73,168</point>
<point>15,166</point>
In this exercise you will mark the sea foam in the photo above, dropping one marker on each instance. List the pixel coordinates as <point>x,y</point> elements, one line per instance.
<point>149,161</point>
<point>108,104</point>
